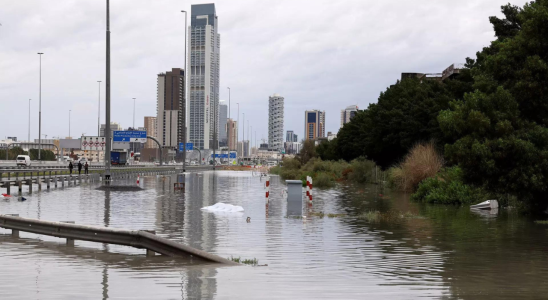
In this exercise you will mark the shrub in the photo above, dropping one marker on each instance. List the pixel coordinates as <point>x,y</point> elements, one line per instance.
<point>448,188</point>
<point>291,163</point>
<point>362,170</point>
<point>290,174</point>
<point>323,180</point>
<point>275,170</point>
<point>423,161</point>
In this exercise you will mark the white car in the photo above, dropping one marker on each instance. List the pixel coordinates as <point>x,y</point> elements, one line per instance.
<point>23,160</point>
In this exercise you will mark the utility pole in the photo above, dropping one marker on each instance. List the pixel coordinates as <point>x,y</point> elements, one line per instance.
<point>40,110</point>
<point>29,121</point>
<point>99,111</point>
<point>69,121</point>
<point>107,109</point>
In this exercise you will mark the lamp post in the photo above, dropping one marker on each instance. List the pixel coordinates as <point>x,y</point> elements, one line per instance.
<point>243,135</point>
<point>107,104</point>
<point>238,129</point>
<point>40,110</point>
<point>99,111</point>
<point>134,113</point>
<point>29,121</point>
<point>185,95</point>
<point>69,121</point>
<point>228,102</point>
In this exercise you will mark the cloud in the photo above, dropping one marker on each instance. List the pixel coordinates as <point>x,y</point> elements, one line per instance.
<point>317,54</point>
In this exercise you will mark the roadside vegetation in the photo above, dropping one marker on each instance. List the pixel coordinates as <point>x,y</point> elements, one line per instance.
<point>46,155</point>
<point>488,123</point>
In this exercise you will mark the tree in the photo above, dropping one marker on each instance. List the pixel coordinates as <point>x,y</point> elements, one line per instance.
<point>405,115</point>
<point>307,152</point>
<point>328,150</point>
<point>501,128</point>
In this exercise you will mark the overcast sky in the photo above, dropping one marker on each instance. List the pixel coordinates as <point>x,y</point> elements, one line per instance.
<point>317,54</point>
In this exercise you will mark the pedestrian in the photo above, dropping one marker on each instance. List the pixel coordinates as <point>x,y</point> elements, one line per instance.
<point>70,167</point>
<point>86,166</point>
<point>79,167</point>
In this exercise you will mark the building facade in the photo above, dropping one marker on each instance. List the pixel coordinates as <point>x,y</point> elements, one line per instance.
<point>170,110</point>
<point>113,127</point>
<point>150,125</point>
<point>204,61</point>
<point>276,122</point>
<point>223,115</point>
<point>348,113</point>
<point>314,124</point>
<point>232,134</point>
<point>290,136</point>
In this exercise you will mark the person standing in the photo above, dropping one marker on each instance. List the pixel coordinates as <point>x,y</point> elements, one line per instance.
<point>70,167</point>
<point>79,167</point>
<point>86,166</point>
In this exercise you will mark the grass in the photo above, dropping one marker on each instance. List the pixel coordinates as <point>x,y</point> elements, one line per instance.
<point>336,215</point>
<point>251,262</point>
<point>541,222</point>
<point>423,161</point>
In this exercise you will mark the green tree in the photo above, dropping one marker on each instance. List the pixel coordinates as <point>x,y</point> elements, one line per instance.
<point>307,152</point>
<point>44,154</point>
<point>500,128</point>
<point>328,150</point>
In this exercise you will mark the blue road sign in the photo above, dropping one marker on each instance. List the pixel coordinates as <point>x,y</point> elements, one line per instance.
<point>130,136</point>
<point>189,147</point>
<point>220,155</point>
<point>233,155</point>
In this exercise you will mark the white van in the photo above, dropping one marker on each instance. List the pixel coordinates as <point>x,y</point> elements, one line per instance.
<point>23,160</point>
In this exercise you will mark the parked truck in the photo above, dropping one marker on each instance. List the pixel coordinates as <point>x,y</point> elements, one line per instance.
<point>118,157</point>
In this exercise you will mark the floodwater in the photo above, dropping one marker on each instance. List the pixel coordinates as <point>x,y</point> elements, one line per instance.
<point>432,252</point>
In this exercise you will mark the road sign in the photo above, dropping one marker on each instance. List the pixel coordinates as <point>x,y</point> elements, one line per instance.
<point>189,147</point>
<point>130,136</point>
<point>220,155</point>
<point>92,143</point>
<point>232,154</point>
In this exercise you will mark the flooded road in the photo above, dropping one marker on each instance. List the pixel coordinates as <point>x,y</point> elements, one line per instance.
<point>411,251</point>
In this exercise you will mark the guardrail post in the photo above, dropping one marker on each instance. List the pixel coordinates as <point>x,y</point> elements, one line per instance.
<point>55,179</point>
<point>14,232</point>
<point>8,187</point>
<point>20,184</point>
<point>38,181</point>
<point>150,253</point>
<point>47,182</point>
<point>70,242</point>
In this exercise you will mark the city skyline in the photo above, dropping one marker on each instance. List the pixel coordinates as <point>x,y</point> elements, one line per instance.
<point>136,57</point>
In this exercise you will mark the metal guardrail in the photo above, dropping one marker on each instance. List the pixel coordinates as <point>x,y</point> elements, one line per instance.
<point>133,238</point>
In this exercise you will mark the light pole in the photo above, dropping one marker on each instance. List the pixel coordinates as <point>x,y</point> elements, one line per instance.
<point>228,102</point>
<point>107,99</point>
<point>238,129</point>
<point>243,136</point>
<point>184,95</point>
<point>40,110</point>
<point>29,121</point>
<point>134,113</point>
<point>69,121</point>
<point>99,111</point>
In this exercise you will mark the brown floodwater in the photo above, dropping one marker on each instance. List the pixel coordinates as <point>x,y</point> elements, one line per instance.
<point>408,251</point>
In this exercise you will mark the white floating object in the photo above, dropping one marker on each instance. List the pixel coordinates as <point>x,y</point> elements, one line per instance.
<point>489,204</point>
<point>221,207</point>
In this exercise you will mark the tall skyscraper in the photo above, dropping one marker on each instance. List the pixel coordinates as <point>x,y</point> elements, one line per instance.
<point>314,124</point>
<point>204,61</point>
<point>276,122</point>
<point>150,125</point>
<point>290,136</point>
<point>223,114</point>
<point>348,113</point>
<point>170,115</point>
<point>232,134</point>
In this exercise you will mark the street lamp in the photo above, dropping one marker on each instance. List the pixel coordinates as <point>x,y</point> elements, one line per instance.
<point>29,121</point>
<point>238,129</point>
<point>134,113</point>
<point>99,111</point>
<point>40,110</point>
<point>69,122</point>
<point>228,102</point>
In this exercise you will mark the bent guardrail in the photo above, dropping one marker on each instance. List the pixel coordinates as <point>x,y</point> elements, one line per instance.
<point>133,238</point>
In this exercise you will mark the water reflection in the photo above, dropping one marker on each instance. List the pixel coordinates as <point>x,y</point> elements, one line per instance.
<point>420,252</point>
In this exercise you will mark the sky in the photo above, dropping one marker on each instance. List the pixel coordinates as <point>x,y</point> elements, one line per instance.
<point>318,54</point>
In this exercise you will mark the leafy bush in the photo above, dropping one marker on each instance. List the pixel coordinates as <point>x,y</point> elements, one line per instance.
<point>448,188</point>
<point>323,180</point>
<point>362,170</point>
<point>275,170</point>
<point>291,163</point>
<point>290,174</point>
<point>423,161</point>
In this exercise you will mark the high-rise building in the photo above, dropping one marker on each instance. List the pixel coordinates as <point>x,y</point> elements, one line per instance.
<point>223,115</point>
<point>314,124</point>
<point>348,113</point>
<point>276,122</point>
<point>170,115</point>
<point>204,61</point>
<point>290,136</point>
<point>232,134</point>
<point>150,125</point>
<point>113,127</point>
